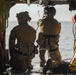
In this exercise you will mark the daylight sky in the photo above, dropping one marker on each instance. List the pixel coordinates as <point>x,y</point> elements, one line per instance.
<point>36,12</point>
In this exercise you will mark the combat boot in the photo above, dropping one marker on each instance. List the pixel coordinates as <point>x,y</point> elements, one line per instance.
<point>47,66</point>
<point>3,67</point>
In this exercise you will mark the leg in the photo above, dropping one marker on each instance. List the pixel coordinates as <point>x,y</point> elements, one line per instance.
<point>56,58</point>
<point>42,57</point>
<point>53,62</point>
<point>30,66</point>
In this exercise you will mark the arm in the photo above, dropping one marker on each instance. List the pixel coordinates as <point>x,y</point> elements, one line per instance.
<point>12,39</point>
<point>59,27</point>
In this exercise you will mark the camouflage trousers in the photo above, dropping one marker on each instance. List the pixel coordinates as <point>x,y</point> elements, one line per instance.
<point>55,57</point>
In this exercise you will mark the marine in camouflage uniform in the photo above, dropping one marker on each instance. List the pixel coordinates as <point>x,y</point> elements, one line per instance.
<point>49,37</point>
<point>21,43</point>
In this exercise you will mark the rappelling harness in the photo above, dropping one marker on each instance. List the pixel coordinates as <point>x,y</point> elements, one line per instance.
<point>49,43</point>
<point>27,45</point>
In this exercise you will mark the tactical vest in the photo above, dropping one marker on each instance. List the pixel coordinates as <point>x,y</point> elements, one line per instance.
<point>25,36</point>
<point>50,26</point>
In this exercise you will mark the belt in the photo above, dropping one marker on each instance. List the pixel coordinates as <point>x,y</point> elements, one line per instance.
<point>52,50</point>
<point>26,45</point>
<point>52,36</point>
<point>22,53</point>
<point>25,54</point>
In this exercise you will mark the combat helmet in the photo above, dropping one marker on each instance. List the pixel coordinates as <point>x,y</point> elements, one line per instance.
<point>50,10</point>
<point>24,15</point>
<point>46,9</point>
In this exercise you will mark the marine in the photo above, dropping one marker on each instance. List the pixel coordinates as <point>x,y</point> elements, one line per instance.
<point>48,38</point>
<point>21,43</point>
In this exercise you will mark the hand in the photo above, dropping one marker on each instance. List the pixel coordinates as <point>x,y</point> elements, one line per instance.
<point>39,22</point>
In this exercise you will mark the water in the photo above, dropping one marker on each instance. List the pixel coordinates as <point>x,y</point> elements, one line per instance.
<point>66,41</point>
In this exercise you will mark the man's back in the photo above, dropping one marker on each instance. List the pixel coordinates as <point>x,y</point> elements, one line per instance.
<point>50,26</point>
<point>24,33</point>
<point>48,39</point>
<point>21,43</point>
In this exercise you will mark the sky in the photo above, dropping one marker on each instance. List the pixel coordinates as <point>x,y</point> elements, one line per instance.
<point>36,12</point>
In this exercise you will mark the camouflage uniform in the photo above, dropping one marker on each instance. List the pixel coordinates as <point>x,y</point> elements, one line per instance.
<point>21,44</point>
<point>48,39</point>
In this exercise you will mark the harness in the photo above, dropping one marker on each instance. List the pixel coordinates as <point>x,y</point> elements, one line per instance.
<point>26,45</point>
<point>47,41</point>
<point>25,54</point>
